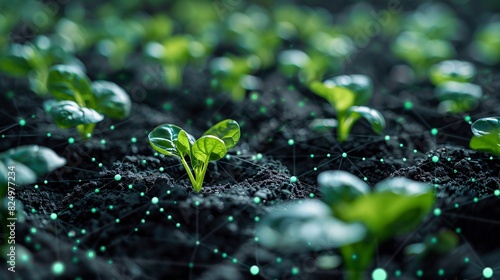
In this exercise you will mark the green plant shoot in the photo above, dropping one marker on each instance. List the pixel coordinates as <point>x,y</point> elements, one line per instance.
<point>213,145</point>
<point>486,136</point>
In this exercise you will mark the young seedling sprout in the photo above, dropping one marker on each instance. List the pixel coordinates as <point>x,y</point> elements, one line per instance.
<point>345,93</point>
<point>213,145</point>
<point>351,217</point>
<point>457,97</point>
<point>486,136</point>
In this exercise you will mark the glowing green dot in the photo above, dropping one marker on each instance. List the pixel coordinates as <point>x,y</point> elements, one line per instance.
<point>118,177</point>
<point>22,122</point>
<point>53,216</point>
<point>224,255</point>
<point>93,210</point>
<point>133,140</point>
<point>178,225</point>
<point>344,155</point>
<point>487,272</point>
<point>497,192</point>
<point>408,105</point>
<point>254,270</point>
<point>235,260</point>
<point>216,251</point>
<point>256,219</point>
<point>437,212</point>
<point>363,159</point>
<point>58,268</point>
<point>475,199</point>
<point>295,270</point>
<point>293,179</point>
<point>365,179</point>
<point>254,96</point>
<point>259,156</point>
<point>100,165</point>
<point>311,195</point>
<point>71,140</point>
<point>256,239</point>
<point>458,230</point>
<point>441,272</point>
<point>379,274</point>
<point>466,260</point>
<point>169,217</point>
<point>91,254</point>
<point>256,200</point>
<point>36,187</point>
<point>467,118</point>
<point>387,138</point>
<point>420,273</point>
<point>117,221</point>
<point>311,155</point>
<point>154,200</point>
<point>230,218</point>
<point>434,131</point>
<point>209,102</point>
<point>404,159</point>
<point>102,248</point>
<point>397,273</point>
<point>291,142</point>
<point>49,134</point>
<point>278,260</point>
<point>112,127</point>
<point>161,169</point>
<point>415,151</point>
<point>435,159</point>
<point>381,160</point>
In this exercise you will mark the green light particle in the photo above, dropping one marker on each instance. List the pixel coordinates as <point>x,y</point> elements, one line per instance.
<point>475,199</point>
<point>487,272</point>
<point>216,251</point>
<point>133,140</point>
<point>344,155</point>
<point>365,179</point>
<point>415,151</point>
<point>102,248</point>
<point>22,122</point>
<point>311,195</point>
<point>224,255</point>
<point>408,105</point>
<point>169,217</point>
<point>178,225</point>
<point>118,177</point>
<point>379,274</point>
<point>93,210</point>
<point>154,200</point>
<point>466,260</point>
<point>381,160</point>
<point>58,268</point>
<point>434,131</point>
<point>254,96</point>
<point>256,200</point>
<point>103,142</point>
<point>33,230</point>
<point>259,156</point>
<point>230,218</point>
<point>96,190</point>
<point>435,159</point>
<point>437,212</point>
<point>458,230</point>
<point>256,219</point>
<point>295,270</point>
<point>100,165</point>
<point>441,272</point>
<point>467,118</point>
<point>36,187</point>
<point>497,192</point>
<point>420,273</point>
<point>256,239</point>
<point>209,102</point>
<point>196,203</point>
<point>49,134</point>
<point>311,155</point>
<point>117,221</point>
<point>254,270</point>
<point>45,182</point>
<point>53,216</point>
<point>235,260</point>
<point>397,273</point>
<point>291,142</point>
<point>130,187</point>
<point>387,138</point>
<point>161,169</point>
<point>71,140</point>
<point>293,179</point>
<point>91,254</point>
<point>112,127</point>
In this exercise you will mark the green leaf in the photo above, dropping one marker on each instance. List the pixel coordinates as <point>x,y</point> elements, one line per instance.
<point>308,225</point>
<point>291,61</point>
<point>111,100</point>
<point>374,117</point>
<point>396,206</point>
<point>452,70</point>
<point>458,97</point>
<point>360,85</point>
<point>164,139</point>
<point>29,161</point>
<point>68,114</point>
<point>184,143</point>
<point>70,83</point>
<point>17,61</point>
<point>226,130</point>
<point>486,136</point>
<point>341,186</point>
<point>208,148</point>
<point>340,98</point>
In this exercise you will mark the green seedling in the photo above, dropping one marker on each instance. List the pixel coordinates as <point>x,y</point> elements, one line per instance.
<point>351,217</point>
<point>232,75</point>
<point>345,93</point>
<point>81,103</point>
<point>452,71</point>
<point>22,166</point>
<point>435,20</point>
<point>458,97</point>
<point>486,136</point>
<point>213,145</point>
<point>486,45</point>
<point>421,52</point>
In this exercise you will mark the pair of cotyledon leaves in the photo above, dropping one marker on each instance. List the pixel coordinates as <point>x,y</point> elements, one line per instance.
<point>348,213</point>
<point>80,101</point>
<point>486,136</point>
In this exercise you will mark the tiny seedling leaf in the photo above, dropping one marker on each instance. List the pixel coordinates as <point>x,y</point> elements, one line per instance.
<point>184,143</point>
<point>226,130</point>
<point>341,186</point>
<point>486,136</point>
<point>374,117</point>
<point>208,148</point>
<point>69,83</point>
<point>111,100</point>
<point>452,70</point>
<point>67,114</point>
<point>164,139</point>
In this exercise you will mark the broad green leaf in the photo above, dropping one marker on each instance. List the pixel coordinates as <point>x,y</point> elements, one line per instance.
<point>396,207</point>
<point>184,143</point>
<point>452,70</point>
<point>17,61</point>
<point>308,225</point>
<point>70,83</point>
<point>111,100</point>
<point>374,117</point>
<point>461,97</point>
<point>486,136</point>
<point>291,61</point>
<point>164,139</point>
<point>29,161</point>
<point>68,114</point>
<point>226,130</point>
<point>341,186</point>
<point>340,98</point>
<point>360,85</point>
<point>208,148</point>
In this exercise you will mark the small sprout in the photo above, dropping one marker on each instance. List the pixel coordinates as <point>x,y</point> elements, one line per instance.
<point>458,97</point>
<point>291,61</point>
<point>345,93</point>
<point>486,136</point>
<point>213,145</point>
<point>67,114</point>
<point>486,46</point>
<point>111,100</point>
<point>452,70</point>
